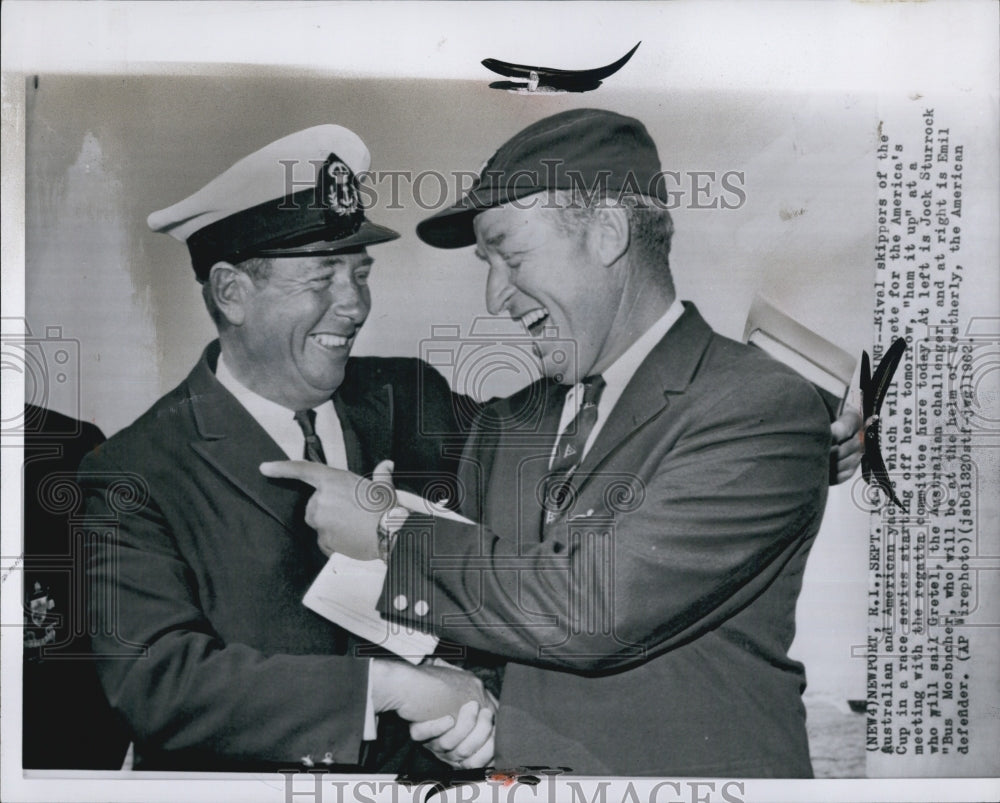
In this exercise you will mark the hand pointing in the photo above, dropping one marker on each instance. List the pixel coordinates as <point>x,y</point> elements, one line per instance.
<point>345,509</point>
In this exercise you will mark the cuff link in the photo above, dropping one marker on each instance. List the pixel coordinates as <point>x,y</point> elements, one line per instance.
<point>421,608</point>
<point>400,603</point>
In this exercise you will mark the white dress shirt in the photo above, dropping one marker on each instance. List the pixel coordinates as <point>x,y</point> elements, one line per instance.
<point>616,377</point>
<point>279,422</point>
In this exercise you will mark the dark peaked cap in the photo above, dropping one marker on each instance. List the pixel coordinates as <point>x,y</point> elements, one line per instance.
<point>582,148</point>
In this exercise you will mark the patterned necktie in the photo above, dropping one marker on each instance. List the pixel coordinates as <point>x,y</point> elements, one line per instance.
<point>570,447</point>
<point>306,419</point>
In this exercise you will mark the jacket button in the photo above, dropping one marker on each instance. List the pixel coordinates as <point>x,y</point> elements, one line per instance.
<point>421,608</point>
<point>400,603</point>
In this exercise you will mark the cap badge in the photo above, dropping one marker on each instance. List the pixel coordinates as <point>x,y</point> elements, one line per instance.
<point>338,189</point>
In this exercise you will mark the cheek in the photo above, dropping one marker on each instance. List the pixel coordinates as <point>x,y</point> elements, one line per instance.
<point>303,312</point>
<point>538,291</point>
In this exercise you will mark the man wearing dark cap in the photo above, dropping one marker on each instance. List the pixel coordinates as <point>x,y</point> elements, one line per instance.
<point>200,563</point>
<point>646,509</point>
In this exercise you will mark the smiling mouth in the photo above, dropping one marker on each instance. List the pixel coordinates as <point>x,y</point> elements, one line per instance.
<point>332,342</point>
<point>534,320</point>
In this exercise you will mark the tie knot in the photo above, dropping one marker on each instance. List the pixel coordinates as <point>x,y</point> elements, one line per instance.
<point>593,386</point>
<point>314,447</point>
<point>307,421</point>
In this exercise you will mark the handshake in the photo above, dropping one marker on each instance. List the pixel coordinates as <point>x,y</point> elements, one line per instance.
<point>449,710</point>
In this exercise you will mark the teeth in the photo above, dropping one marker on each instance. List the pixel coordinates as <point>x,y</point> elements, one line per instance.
<point>331,341</point>
<point>532,317</point>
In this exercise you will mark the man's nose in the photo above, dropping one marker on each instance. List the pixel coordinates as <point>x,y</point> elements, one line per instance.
<point>498,289</point>
<point>348,300</point>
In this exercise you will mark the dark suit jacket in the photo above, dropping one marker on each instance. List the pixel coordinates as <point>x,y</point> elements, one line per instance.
<point>648,626</point>
<point>200,563</point>
<point>67,722</point>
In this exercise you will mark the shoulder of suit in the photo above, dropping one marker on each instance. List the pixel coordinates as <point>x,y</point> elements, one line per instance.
<point>168,420</point>
<point>362,373</point>
<point>42,423</point>
<point>735,358</point>
<point>508,408</point>
<point>759,382</point>
<point>45,429</point>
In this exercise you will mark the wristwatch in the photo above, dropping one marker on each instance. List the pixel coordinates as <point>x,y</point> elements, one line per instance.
<point>389,524</point>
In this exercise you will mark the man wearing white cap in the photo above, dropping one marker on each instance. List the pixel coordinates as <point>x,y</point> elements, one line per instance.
<point>206,649</point>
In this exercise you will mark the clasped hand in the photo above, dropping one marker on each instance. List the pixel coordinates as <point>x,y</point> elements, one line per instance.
<point>449,710</point>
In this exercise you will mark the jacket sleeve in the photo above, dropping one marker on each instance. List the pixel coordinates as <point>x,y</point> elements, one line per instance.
<point>176,683</point>
<point>440,432</point>
<point>721,514</point>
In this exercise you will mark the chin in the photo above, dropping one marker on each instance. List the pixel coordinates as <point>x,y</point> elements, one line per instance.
<point>333,383</point>
<point>325,384</point>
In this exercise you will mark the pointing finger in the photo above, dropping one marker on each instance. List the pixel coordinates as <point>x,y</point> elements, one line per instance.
<point>310,513</point>
<point>304,470</point>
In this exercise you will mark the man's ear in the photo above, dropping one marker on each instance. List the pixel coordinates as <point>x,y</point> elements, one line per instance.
<point>610,234</point>
<point>231,290</point>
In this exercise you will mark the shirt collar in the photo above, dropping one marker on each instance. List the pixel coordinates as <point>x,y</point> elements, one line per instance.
<point>256,405</point>
<point>276,420</point>
<point>618,375</point>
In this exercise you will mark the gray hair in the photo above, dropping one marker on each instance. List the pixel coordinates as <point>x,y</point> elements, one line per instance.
<point>651,228</point>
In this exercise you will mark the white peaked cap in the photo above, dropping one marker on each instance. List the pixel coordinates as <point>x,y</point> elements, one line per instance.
<point>264,204</point>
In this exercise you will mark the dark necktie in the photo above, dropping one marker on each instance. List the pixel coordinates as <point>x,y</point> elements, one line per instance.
<point>570,446</point>
<point>314,446</point>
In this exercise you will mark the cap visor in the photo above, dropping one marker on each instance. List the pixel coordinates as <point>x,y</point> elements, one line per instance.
<point>452,227</point>
<point>368,234</point>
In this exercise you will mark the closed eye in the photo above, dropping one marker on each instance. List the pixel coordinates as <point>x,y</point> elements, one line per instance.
<point>512,260</point>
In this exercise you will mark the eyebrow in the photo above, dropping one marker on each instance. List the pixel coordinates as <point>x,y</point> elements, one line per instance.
<point>336,259</point>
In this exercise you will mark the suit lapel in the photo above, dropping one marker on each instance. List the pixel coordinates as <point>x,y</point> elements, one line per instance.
<point>667,369</point>
<point>234,444</point>
<point>521,462</point>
